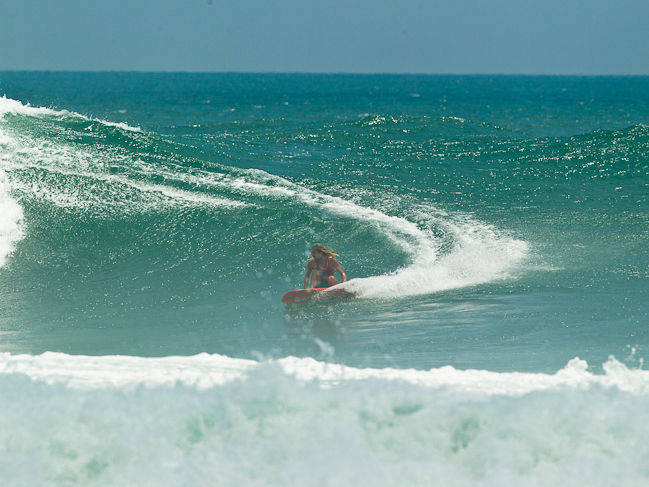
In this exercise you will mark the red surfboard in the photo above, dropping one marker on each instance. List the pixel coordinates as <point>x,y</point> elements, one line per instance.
<point>317,294</point>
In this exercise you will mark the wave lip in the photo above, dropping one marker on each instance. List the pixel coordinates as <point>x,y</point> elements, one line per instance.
<point>15,107</point>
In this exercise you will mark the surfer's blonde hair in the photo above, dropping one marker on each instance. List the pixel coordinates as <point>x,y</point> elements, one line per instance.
<point>321,248</point>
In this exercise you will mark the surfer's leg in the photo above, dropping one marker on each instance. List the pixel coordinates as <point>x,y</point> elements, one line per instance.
<point>332,281</point>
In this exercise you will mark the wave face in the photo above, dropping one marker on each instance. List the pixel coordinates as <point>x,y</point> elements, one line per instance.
<point>495,229</point>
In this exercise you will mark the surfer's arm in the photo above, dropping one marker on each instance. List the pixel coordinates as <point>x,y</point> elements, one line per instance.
<point>309,268</point>
<point>340,270</point>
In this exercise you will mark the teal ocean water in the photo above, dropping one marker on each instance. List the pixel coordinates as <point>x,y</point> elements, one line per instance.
<point>496,229</point>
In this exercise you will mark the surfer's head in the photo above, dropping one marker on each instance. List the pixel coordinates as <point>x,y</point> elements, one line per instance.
<point>319,248</point>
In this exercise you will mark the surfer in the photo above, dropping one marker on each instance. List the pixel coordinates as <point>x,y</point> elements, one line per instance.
<point>321,268</point>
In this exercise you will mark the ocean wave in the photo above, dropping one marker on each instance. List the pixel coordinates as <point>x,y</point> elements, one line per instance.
<point>475,252</point>
<point>134,173</point>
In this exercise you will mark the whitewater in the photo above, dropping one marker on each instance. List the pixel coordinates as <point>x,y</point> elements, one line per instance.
<point>207,418</point>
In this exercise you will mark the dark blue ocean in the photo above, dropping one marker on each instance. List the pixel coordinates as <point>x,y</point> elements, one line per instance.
<point>496,229</point>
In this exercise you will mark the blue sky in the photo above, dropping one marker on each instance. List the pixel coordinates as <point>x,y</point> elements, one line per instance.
<point>587,37</point>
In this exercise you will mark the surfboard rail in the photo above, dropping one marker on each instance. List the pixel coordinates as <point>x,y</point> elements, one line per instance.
<point>316,294</point>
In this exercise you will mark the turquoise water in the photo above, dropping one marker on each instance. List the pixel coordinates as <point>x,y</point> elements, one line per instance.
<point>495,228</point>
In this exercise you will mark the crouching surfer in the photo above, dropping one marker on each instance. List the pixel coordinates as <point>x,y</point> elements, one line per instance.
<point>321,268</point>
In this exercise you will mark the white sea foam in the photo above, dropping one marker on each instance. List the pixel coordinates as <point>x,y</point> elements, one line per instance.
<point>7,105</point>
<point>11,216</point>
<point>91,185</point>
<point>214,420</point>
<point>77,371</point>
<point>119,125</point>
<point>15,107</point>
<point>204,371</point>
<point>480,254</point>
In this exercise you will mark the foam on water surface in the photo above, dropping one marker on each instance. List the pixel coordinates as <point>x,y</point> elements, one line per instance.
<point>15,107</point>
<point>11,216</point>
<point>207,370</point>
<point>209,419</point>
